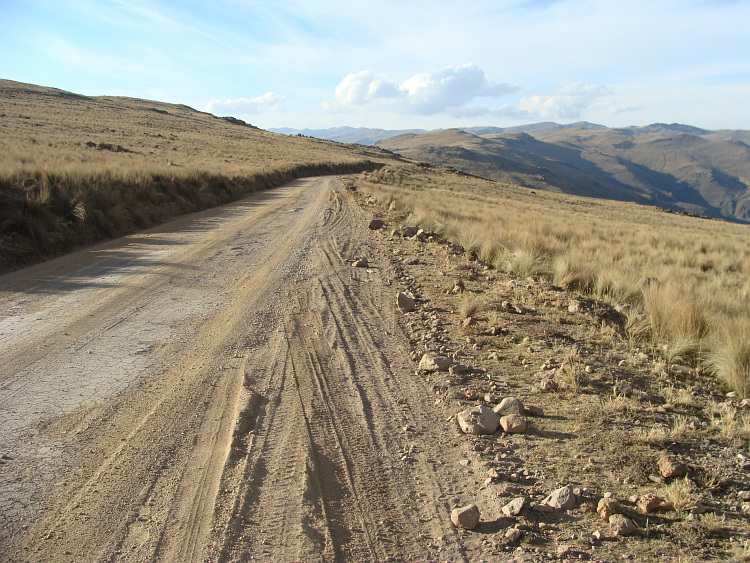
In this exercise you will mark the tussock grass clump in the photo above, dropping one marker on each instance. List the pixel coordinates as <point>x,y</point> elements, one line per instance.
<point>730,356</point>
<point>470,305</point>
<point>680,493</point>
<point>572,276</point>
<point>526,263</point>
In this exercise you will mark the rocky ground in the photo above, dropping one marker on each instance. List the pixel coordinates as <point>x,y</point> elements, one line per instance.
<point>578,443</point>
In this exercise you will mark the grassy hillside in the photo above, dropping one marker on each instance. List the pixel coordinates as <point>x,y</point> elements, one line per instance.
<point>679,282</point>
<point>77,169</point>
<point>667,166</point>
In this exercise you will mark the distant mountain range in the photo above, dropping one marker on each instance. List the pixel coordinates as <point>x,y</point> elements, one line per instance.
<point>360,135</point>
<point>677,167</point>
<point>367,136</point>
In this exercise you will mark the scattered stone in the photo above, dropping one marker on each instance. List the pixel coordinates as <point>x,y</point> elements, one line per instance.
<point>490,398</point>
<point>563,550</point>
<point>513,423</point>
<point>509,405</point>
<point>456,287</point>
<point>470,321</point>
<point>548,384</point>
<point>360,263</point>
<point>622,525</point>
<point>561,499</point>
<point>512,535</point>
<point>466,517</point>
<point>409,232</point>
<point>589,538</point>
<point>598,535</point>
<point>649,503</point>
<point>534,411</point>
<point>607,507</point>
<point>431,362</point>
<point>478,420</point>
<point>670,467</point>
<point>392,206</point>
<point>514,507</point>
<point>376,224</point>
<point>458,368</point>
<point>405,303</point>
<point>574,306</point>
<point>658,479</point>
<point>541,507</point>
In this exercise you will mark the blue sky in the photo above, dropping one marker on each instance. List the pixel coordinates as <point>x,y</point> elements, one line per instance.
<point>396,64</point>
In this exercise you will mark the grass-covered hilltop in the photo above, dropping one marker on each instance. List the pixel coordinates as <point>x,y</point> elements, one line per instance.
<point>77,169</point>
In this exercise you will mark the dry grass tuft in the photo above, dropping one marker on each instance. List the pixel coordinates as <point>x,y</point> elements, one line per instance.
<point>730,356</point>
<point>680,494</point>
<point>470,305</point>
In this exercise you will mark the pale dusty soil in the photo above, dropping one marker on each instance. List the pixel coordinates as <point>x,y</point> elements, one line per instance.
<point>223,388</point>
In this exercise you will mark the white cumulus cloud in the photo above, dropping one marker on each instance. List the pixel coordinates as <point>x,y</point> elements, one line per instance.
<point>566,102</point>
<point>450,91</point>
<point>241,106</point>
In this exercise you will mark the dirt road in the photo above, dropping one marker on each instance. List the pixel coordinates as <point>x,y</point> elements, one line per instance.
<point>223,388</point>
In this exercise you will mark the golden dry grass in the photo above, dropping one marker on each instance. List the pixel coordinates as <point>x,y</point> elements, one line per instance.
<point>76,169</point>
<point>681,281</point>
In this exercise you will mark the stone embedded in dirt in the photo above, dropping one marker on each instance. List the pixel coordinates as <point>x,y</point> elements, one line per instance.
<point>534,411</point>
<point>478,420</point>
<point>649,503</point>
<point>509,405</point>
<point>513,423</point>
<point>512,535</point>
<point>490,398</point>
<point>514,507</point>
<point>466,517</point>
<point>670,467</point>
<point>409,232</point>
<point>607,507</point>
<point>548,384</point>
<point>574,306</point>
<point>622,525</point>
<point>360,263</point>
<point>392,206</point>
<point>431,362</point>
<point>405,303</point>
<point>561,499</point>
<point>541,507</point>
<point>458,368</point>
<point>376,224</point>
<point>469,321</point>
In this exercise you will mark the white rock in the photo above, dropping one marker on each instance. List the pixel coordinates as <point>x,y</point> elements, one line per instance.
<point>561,499</point>
<point>509,405</point>
<point>478,420</point>
<point>405,303</point>
<point>514,507</point>
<point>513,423</point>
<point>431,362</point>
<point>466,517</point>
<point>622,525</point>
